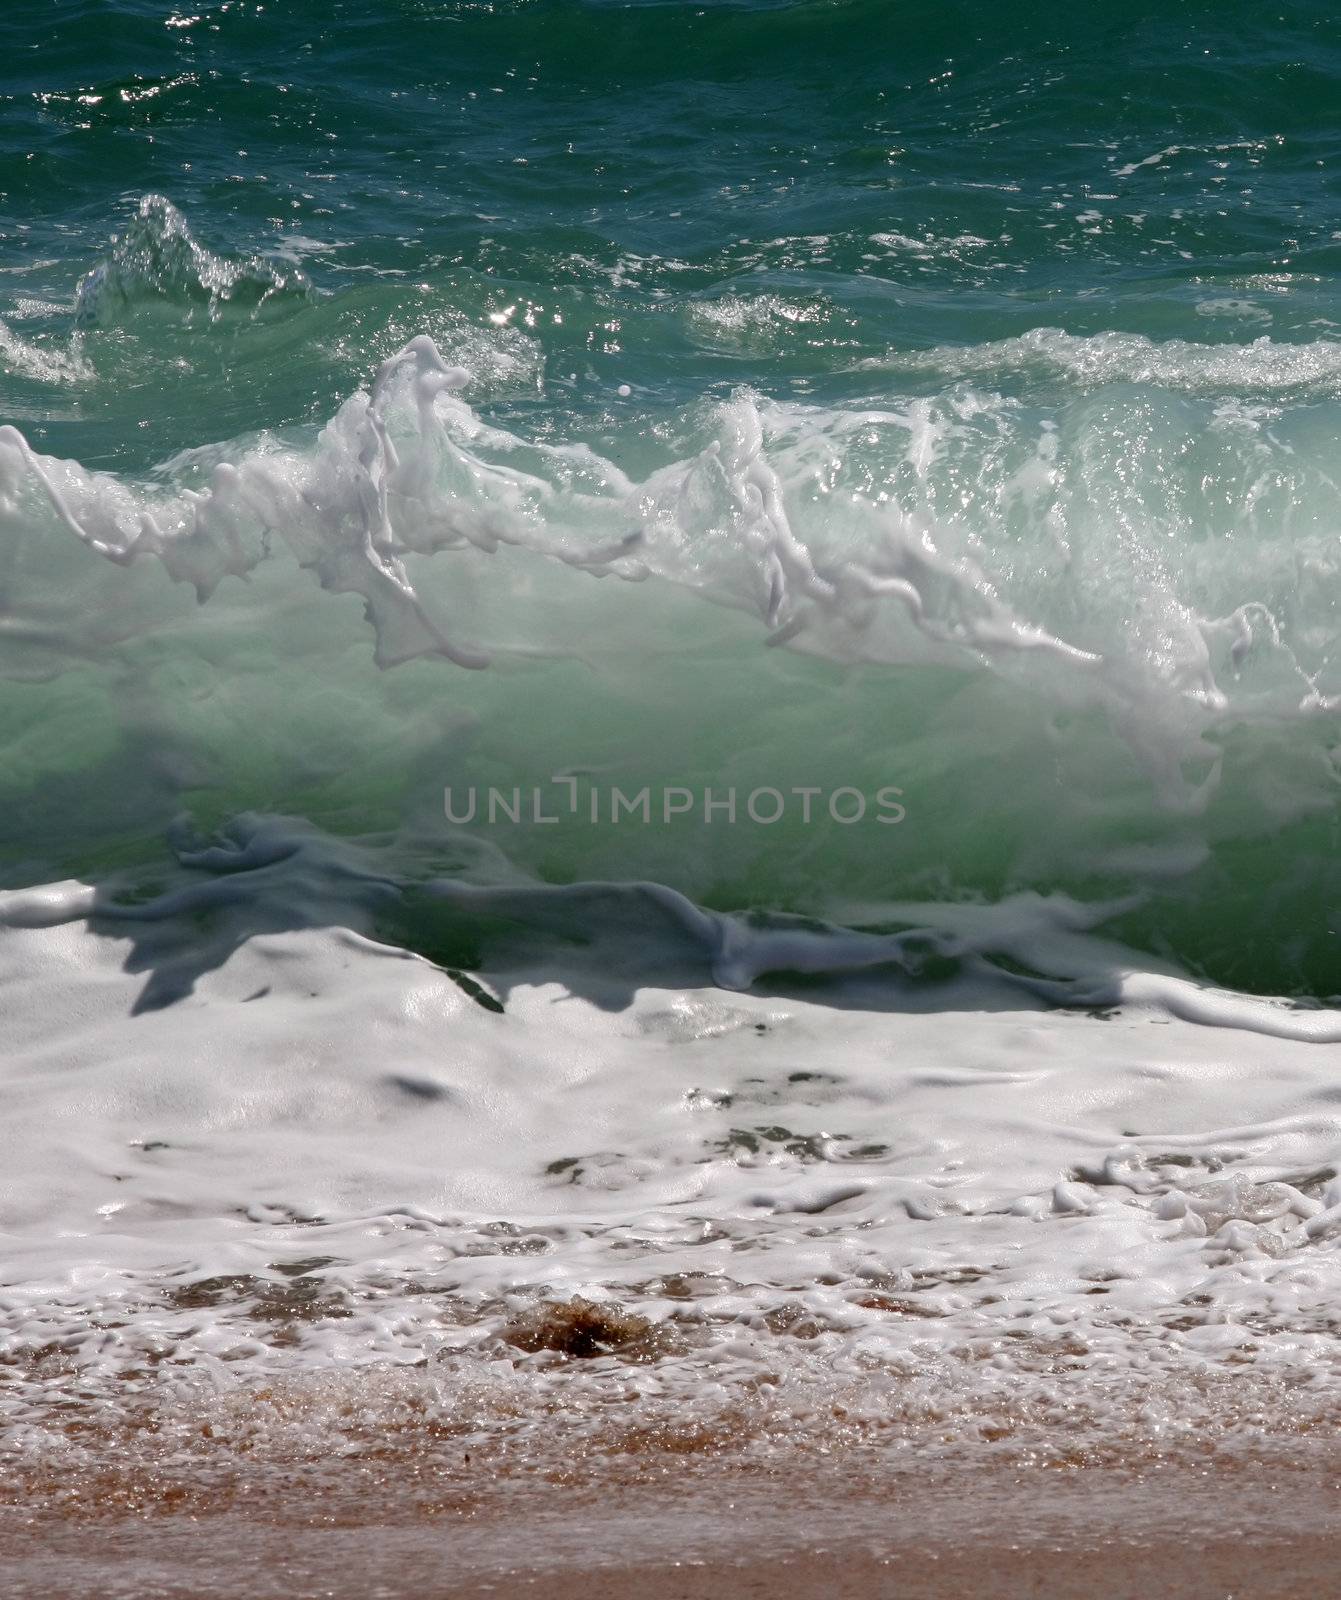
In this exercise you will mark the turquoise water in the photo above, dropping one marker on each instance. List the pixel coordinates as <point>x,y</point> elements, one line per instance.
<point>985,360</point>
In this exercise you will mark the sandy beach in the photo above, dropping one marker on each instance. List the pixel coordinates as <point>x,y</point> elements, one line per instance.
<point>1243,1529</point>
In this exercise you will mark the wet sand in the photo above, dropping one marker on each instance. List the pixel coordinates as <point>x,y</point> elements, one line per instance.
<point>1246,1529</point>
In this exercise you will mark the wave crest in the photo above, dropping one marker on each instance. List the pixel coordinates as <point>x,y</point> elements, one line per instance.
<point>158,259</point>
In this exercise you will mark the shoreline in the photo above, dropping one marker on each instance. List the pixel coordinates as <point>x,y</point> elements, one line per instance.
<point>1242,1527</point>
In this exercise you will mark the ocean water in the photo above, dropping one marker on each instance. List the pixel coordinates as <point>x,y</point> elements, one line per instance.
<point>669,706</point>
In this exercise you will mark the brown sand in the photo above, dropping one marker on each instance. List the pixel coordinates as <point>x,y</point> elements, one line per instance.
<point>1267,1532</point>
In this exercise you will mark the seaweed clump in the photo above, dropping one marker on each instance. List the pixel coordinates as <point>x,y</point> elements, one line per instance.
<point>581,1328</point>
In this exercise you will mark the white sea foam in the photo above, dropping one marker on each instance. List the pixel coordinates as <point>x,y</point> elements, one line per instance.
<point>44,365</point>
<point>1261,366</point>
<point>941,1217</point>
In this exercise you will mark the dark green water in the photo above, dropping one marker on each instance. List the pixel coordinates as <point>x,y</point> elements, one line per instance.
<point>985,357</point>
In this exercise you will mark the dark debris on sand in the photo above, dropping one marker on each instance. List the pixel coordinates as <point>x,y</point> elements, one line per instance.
<point>584,1328</point>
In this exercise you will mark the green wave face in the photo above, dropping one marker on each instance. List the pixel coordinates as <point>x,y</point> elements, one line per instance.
<point>851,397</point>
